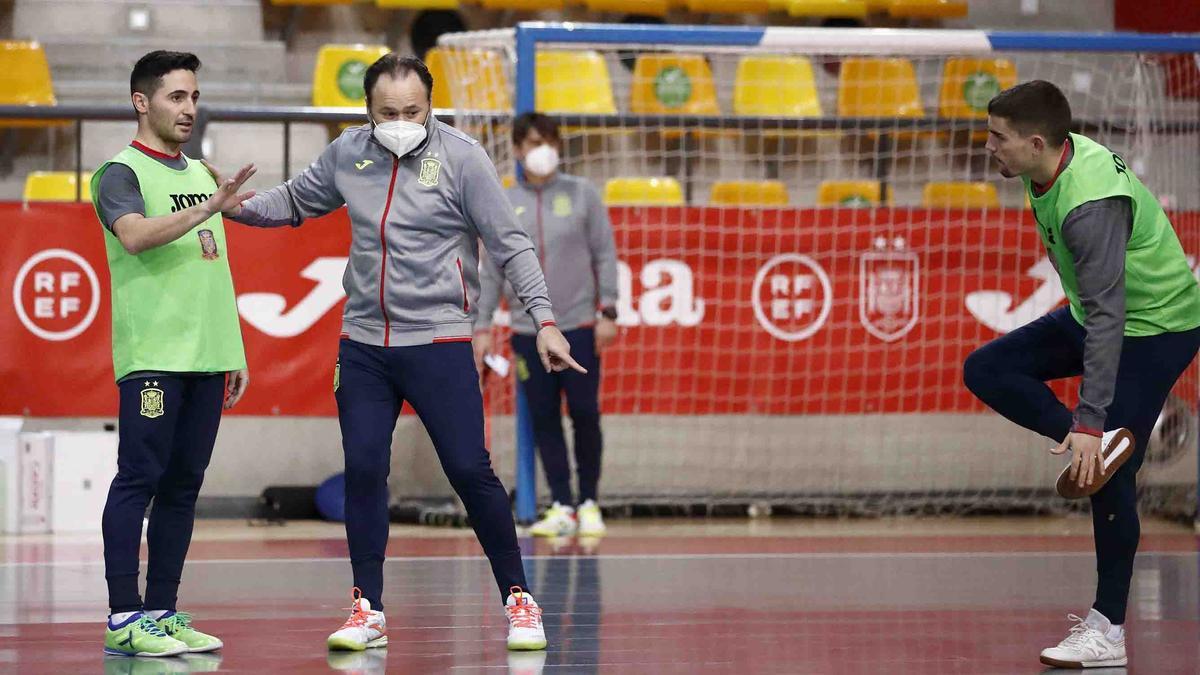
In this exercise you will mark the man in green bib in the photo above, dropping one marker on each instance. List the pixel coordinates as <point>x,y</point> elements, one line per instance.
<point>1130,329</point>
<point>177,350</point>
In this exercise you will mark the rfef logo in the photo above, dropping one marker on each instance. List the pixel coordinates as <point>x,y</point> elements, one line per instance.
<point>56,294</point>
<point>792,297</point>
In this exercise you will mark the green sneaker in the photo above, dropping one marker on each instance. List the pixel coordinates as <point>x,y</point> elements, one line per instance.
<point>140,636</point>
<point>179,626</point>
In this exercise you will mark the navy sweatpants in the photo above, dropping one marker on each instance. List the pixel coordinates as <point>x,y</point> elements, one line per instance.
<point>441,384</point>
<point>1009,375</point>
<point>168,426</point>
<point>544,392</point>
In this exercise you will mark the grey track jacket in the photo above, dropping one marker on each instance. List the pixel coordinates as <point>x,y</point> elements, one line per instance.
<point>569,225</point>
<point>416,221</point>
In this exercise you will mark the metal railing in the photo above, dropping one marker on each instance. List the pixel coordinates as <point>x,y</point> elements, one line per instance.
<point>77,114</point>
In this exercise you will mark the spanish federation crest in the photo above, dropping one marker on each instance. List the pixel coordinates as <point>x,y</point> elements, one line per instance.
<point>152,402</point>
<point>430,170</point>
<point>888,302</point>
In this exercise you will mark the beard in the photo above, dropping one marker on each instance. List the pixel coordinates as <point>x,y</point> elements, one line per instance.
<point>168,131</point>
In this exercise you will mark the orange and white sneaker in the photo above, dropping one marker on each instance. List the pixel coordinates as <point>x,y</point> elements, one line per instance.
<point>365,629</point>
<point>525,632</point>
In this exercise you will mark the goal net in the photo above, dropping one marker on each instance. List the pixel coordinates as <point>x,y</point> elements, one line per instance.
<point>812,239</point>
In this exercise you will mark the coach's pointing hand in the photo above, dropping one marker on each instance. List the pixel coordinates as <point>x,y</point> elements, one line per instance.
<point>555,351</point>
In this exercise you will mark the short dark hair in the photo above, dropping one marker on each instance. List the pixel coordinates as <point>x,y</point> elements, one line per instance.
<point>1035,107</point>
<point>148,72</point>
<point>397,66</point>
<point>545,125</point>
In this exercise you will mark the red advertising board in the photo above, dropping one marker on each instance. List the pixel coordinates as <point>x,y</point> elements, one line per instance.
<point>791,311</point>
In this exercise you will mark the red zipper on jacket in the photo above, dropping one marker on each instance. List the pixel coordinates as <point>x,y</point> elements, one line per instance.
<point>463,279</point>
<point>387,324</point>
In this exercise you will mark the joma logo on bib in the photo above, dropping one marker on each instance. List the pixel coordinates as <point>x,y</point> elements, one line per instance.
<point>180,202</point>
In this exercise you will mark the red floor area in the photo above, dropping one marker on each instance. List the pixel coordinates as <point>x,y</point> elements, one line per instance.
<point>856,604</point>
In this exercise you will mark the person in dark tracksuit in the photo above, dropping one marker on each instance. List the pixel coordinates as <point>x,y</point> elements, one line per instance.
<point>1130,329</point>
<point>569,225</point>
<point>420,195</point>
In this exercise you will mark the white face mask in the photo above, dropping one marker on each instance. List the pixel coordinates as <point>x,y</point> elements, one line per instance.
<point>542,160</point>
<point>400,136</point>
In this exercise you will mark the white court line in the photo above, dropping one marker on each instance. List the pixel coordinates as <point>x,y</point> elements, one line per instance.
<point>922,555</point>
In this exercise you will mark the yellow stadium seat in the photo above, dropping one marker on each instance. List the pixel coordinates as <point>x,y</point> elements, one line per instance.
<point>781,86</point>
<point>881,6</point>
<point>25,80</point>
<point>960,195</point>
<point>435,61</point>
<point>644,7</point>
<point>729,6</point>
<point>643,192</point>
<point>874,87</point>
<point>968,84</point>
<point>842,9</point>
<point>521,4</point>
<point>574,82</point>
<point>850,193</point>
<point>928,9</point>
<point>475,76</point>
<point>748,193</point>
<point>665,84</point>
<point>56,186</point>
<point>338,75</point>
<point>779,5</point>
<point>417,4</point>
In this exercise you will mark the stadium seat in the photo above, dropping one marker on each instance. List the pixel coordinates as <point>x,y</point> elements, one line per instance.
<point>55,186</point>
<point>475,76</point>
<point>852,193</point>
<point>417,4</point>
<point>728,6</point>
<point>642,7</point>
<point>521,4</point>
<point>312,2</point>
<point>781,86</point>
<point>968,84</point>
<point>574,82</point>
<point>643,192</point>
<point>338,75</point>
<point>748,193</point>
<point>878,87</point>
<point>664,84</point>
<point>25,80</point>
<point>435,61</point>
<point>960,195</point>
<point>840,9</point>
<point>928,9</point>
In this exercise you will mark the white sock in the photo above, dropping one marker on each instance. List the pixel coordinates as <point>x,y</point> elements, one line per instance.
<point>157,614</point>
<point>1116,633</point>
<point>121,617</point>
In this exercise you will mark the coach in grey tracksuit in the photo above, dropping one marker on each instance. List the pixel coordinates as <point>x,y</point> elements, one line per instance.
<point>569,225</point>
<point>420,195</point>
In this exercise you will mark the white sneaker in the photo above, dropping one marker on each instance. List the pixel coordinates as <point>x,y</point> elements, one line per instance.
<point>365,629</point>
<point>591,523</point>
<point>525,632</point>
<point>558,521</point>
<point>1093,643</point>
